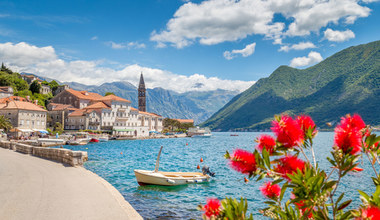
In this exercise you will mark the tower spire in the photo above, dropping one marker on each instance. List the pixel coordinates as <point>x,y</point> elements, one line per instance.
<point>142,94</point>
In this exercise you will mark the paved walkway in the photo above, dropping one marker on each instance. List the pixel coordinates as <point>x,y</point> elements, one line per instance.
<point>35,188</point>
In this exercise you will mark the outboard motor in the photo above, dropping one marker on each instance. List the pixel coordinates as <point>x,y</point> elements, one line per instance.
<point>206,170</point>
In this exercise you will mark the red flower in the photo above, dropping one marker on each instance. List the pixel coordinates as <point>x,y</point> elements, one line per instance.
<point>267,142</point>
<point>212,207</point>
<point>271,191</point>
<point>288,131</point>
<point>243,161</point>
<point>301,206</point>
<point>348,136</point>
<point>306,123</point>
<point>289,165</point>
<point>371,212</point>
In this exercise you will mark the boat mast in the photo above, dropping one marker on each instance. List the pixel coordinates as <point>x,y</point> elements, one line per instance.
<point>158,160</point>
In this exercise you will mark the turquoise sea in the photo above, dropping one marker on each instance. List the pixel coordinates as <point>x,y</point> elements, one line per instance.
<point>116,160</point>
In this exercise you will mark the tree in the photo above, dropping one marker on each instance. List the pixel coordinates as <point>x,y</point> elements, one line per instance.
<point>109,93</point>
<point>5,69</point>
<point>35,87</point>
<point>58,128</point>
<point>5,123</point>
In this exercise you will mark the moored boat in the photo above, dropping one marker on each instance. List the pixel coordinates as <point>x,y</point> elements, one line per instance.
<point>199,132</point>
<point>155,177</point>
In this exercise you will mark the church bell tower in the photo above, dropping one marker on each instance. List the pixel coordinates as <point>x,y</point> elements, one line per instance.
<point>142,94</point>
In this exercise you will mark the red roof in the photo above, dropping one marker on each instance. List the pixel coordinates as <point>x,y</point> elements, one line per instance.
<point>97,105</point>
<point>12,98</point>
<point>60,107</point>
<point>23,106</point>
<point>78,112</point>
<point>185,120</point>
<point>134,109</point>
<point>150,114</point>
<point>113,98</point>
<point>85,94</point>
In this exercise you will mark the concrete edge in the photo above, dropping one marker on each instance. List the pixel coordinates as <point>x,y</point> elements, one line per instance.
<point>124,204</point>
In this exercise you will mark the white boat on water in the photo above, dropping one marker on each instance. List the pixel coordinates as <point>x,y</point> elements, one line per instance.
<point>103,139</point>
<point>148,177</point>
<point>198,132</point>
<point>80,138</point>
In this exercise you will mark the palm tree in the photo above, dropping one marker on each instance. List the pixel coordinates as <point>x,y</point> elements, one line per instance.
<point>5,123</point>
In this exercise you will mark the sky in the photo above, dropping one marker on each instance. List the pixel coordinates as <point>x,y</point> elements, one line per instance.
<point>181,45</point>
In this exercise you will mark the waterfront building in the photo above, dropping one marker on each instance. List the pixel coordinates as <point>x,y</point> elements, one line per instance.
<point>142,94</point>
<point>58,113</point>
<point>185,121</point>
<point>24,116</point>
<point>82,110</point>
<point>6,91</point>
<point>77,99</point>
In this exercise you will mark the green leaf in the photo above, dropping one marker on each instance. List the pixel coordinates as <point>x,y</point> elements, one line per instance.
<point>227,155</point>
<point>344,204</point>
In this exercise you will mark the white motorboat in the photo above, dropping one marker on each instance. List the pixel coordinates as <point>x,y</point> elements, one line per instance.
<point>155,177</point>
<point>199,132</point>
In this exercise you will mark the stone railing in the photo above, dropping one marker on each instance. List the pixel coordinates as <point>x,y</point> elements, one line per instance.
<point>73,158</point>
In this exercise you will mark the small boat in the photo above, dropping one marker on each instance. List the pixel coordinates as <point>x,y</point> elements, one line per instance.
<point>78,142</point>
<point>94,140</point>
<point>148,177</point>
<point>234,135</point>
<point>103,139</point>
<point>199,132</point>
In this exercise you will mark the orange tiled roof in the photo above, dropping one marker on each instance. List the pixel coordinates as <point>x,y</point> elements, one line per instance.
<point>185,120</point>
<point>78,112</point>
<point>97,105</point>
<point>134,109</point>
<point>85,94</point>
<point>24,106</point>
<point>60,107</point>
<point>12,98</point>
<point>113,98</point>
<point>150,114</point>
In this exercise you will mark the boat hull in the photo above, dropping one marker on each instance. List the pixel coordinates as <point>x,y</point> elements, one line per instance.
<point>146,177</point>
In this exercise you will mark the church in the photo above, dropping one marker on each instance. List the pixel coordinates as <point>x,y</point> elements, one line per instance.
<point>82,110</point>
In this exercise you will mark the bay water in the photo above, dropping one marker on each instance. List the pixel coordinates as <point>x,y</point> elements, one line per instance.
<point>115,161</point>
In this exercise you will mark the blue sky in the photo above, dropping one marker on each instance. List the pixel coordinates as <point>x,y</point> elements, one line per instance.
<point>178,44</point>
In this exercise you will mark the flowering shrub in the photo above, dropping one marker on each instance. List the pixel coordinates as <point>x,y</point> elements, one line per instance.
<point>311,191</point>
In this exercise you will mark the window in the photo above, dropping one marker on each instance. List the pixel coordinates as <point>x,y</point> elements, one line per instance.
<point>9,113</point>
<point>27,122</point>
<point>42,123</point>
<point>21,122</point>
<point>38,122</point>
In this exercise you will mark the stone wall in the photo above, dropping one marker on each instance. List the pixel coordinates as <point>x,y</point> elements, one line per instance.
<point>73,158</point>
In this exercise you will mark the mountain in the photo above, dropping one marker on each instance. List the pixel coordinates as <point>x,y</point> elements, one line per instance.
<point>195,105</point>
<point>346,82</point>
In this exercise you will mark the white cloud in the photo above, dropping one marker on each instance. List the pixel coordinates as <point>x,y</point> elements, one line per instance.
<point>247,51</point>
<point>215,21</point>
<point>369,1</point>
<point>338,36</point>
<point>312,58</point>
<point>94,38</point>
<point>43,61</point>
<point>24,54</point>
<point>127,45</point>
<point>299,46</point>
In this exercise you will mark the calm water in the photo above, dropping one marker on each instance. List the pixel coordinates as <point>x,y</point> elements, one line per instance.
<point>116,160</point>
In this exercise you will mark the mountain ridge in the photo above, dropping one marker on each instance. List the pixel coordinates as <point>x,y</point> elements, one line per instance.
<point>342,83</point>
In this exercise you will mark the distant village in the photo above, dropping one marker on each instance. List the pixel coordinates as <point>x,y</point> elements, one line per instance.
<point>72,110</point>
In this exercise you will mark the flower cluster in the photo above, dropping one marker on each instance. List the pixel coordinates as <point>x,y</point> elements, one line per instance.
<point>289,165</point>
<point>212,208</point>
<point>271,191</point>
<point>348,134</point>
<point>266,142</point>
<point>306,123</point>
<point>288,131</point>
<point>243,161</point>
<point>371,213</point>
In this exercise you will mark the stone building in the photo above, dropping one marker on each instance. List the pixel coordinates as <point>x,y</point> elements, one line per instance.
<point>45,89</point>
<point>58,113</point>
<point>6,91</point>
<point>24,116</point>
<point>29,78</point>
<point>60,89</point>
<point>77,99</point>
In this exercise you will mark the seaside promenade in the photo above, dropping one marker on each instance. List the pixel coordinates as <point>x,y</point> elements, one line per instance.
<point>35,188</point>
